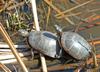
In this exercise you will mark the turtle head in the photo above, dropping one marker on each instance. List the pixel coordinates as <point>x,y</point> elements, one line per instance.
<point>58,28</point>
<point>23,32</point>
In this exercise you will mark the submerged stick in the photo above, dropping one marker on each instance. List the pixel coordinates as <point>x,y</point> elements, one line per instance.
<point>66,11</point>
<point>34,10</point>
<point>11,45</point>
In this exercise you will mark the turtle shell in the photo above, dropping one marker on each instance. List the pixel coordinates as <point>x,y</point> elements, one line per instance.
<point>44,42</point>
<point>75,45</point>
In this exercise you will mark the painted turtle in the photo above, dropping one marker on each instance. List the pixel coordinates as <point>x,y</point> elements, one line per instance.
<point>74,44</point>
<point>44,42</point>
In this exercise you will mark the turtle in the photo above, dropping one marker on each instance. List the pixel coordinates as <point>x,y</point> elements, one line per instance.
<point>74,44</point>
<point>44,42</point>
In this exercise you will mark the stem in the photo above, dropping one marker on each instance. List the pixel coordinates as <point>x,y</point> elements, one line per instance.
<point>34,10</point>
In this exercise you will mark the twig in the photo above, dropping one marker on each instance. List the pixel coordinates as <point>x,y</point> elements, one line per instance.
<point>59,11</point>
<point>48,15</point>
<point>34,10</point>
<point>86,27</point>
<point>96,42</point>
<point>16,46</point>
<point>5,68</point>
<point>9,55</point>
<point>83,21</point>
<point>17,5</point>
<point>69,15</point>
<point>6,5</point>
<point>94,52</point>
<point>92,10</point>
<point>9,61</point>
<point>11,45</point>
<point>17,15</point>
<point>66,11</point>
